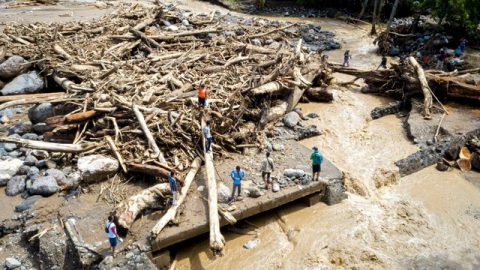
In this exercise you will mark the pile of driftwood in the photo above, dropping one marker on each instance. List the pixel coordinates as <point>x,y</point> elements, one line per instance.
<point>130,82</point>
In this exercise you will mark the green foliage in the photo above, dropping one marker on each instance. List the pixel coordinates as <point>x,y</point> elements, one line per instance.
<point>457,13</point>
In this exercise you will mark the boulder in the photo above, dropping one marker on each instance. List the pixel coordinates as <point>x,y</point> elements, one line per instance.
<point>278,147</point>
<point>32,172</point>
<point>16,185</point>
<point>27,203</point>
<point>30,160</point>
<point>291,119</point>
<point>53,249</point>
<point>24,84</point>
<point>41,128</point>
<point>275,187</point>
<point>223,193</point>
<point>9,147</point>
<point>306,132</point>
<point>254,192</point>
<point>13,66</point>
<point>8,168</point>
<point>96,168</point>
<point>23,170</point>
<point>58,175</point>
<point>20,128</point>
<point>293,173</point>
<point>45,186</point>
<point>41,112</point>
<point>12,263</point>
<point>30,136</point>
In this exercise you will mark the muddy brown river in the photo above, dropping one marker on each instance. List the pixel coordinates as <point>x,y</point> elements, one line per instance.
<point>423,221</point>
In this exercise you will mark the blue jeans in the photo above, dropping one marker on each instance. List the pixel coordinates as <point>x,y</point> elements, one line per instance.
<point>208,144</point>
<point>235,187</point>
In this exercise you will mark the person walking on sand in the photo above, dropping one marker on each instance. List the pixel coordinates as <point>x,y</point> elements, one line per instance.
<point>208,136</point>
<point>111,231</point>
<point>202,94</point>
<point>317,159</point>
<point>173,187</point>
<point>346,58</point>
<point>237,175</point>
<point>267,169</point>
<point>383,64</point>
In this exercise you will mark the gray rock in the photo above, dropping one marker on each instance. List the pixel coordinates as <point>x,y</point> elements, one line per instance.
<point>335,192</point>
<point>53,249</point>
<point>20,128</point>
<point>27,203</point>
<point>251,243</point>
<point>41,112</point>
<point>30,160</point>
<point>41,128</point>
<point>12,263</point>
<point>185,22</point>
<point>16,185</point>
<point>223,193</point>
<point>293,173</point>
<point>41,164</point>
<point>73,179</point>
<point>129,255</point>
<point>291,119</point>
<point>58,175</point>
<point>8,168</point>
<point>304,132</point>
<point>24,84</point>
<point>33,171</point>
<point>9,147</point>
<point>30,136</point>
<point>254,192</point>
<point>268,145</point>
<point>96,168</point>
<point>15,154</point>
<point>4,119</point>
<point>278,147</point>
<point>305,179</point>
<point>441,167</point>
<point>13,66</point>
<point>229,33</point>
<point>256,42</point>
<point>312,115</point>
<point>274,45</point>
<point>23,170</point>
<point>45,186</point>
<point>275,187</point>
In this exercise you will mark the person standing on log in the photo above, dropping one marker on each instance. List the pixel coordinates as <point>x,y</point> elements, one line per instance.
<point>267,169</point>
<point>383,64</point>
<point>173,187</point>
<point>208,136</point>
<point>202,94</point>
<point>346,58</point>
<point>111,230</point>
<point>317,159</point>
<point>237,175</point>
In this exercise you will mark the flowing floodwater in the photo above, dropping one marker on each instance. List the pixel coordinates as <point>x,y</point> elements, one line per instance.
<point>427,220</point>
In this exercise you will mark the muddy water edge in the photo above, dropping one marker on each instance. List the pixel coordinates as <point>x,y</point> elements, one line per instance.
<point>427,220</point>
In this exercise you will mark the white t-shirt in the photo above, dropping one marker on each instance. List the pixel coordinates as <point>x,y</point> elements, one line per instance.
<point>111,229</point>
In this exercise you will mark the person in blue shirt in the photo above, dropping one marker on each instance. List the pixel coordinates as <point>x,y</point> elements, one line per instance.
<point>237,175</point>
<point>317,160</point>
<point>173,187</point>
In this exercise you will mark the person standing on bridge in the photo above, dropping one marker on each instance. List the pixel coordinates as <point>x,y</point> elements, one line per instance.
<point>202,94</point>
<point>237,176</point>
<point>173,187</point>
<point>267,169</point>
<point>317,160</point>
<point>208,136</point>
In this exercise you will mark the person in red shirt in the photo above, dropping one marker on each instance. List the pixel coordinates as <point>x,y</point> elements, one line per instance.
<point>202,94</point>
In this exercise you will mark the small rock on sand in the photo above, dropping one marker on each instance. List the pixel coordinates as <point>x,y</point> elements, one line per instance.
<point>27,203</point>
<point>13,66</point>
<point>12,263</point>
<point>291,119</point>
<point>223,193</point>
<point>16,185</point>
<point>8,168</point>
<point>45,186</point>
<point>96,168</point>
<point>251,243</point>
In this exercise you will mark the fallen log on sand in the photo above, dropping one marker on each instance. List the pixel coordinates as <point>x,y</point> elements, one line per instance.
<point>127,211</point>
<point>217,241</point>
<point>171,213</point>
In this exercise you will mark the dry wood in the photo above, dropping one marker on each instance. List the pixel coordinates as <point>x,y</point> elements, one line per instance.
<point>117,154</point>
<point>172,211</point>
<point>151,141</point>
<point>427,102</point>
<point>54,147</point>
<point>148,169</point>
<point>26,97</point>
<point>268,88</point>
<point>58,49</point>
<point>273,31</point>
<point>127,211</point>
<point>217,241</point>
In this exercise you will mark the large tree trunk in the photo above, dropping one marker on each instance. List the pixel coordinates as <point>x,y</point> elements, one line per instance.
<point>360,15</point>
<point>216,238</point>
<point>427,92</point>
<point>392,15</point>
<point>48,146</point>
<point>374,18</point>
<point>127,211</point>
<point>172,212</point>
